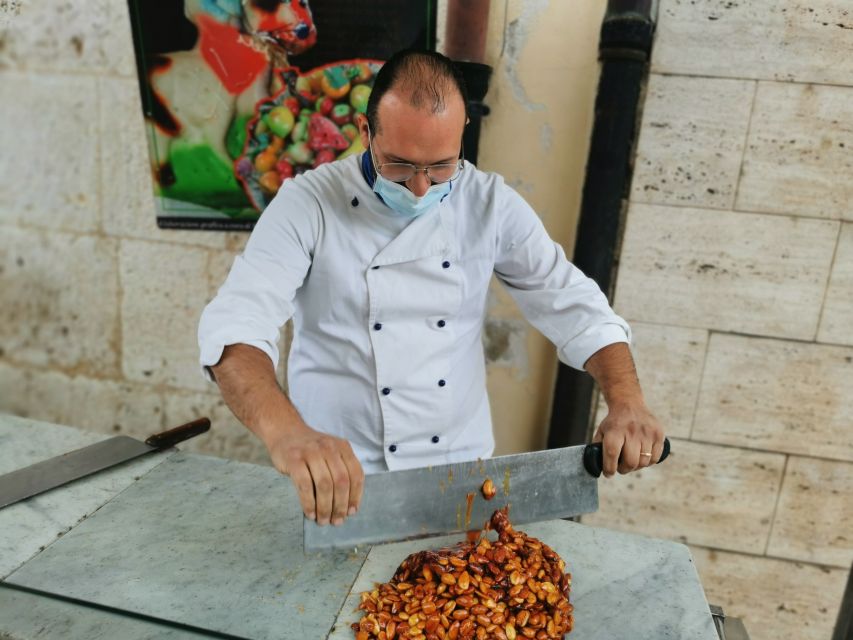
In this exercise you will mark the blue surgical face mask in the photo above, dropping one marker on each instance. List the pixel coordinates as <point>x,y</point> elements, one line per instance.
<point>400,199</point>
<point>406,203</point>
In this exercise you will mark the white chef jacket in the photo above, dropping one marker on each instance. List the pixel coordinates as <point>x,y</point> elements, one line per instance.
<point>388,312</point>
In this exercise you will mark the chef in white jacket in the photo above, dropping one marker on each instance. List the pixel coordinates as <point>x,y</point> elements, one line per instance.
<point>383,261</point>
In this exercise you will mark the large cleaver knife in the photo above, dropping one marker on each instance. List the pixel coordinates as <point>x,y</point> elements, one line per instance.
<point>55,472</point>
<point>414,503</point>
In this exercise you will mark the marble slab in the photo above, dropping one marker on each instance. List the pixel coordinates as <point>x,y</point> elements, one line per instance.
<point>31,525</point>
<point>207,542</point>
<point>623,585</point>
<point>27,616</point>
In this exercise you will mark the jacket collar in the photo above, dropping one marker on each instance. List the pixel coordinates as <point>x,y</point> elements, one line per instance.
<point>423,237</point>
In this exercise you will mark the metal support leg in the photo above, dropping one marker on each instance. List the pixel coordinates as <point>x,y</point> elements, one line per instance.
<point>728,628</point>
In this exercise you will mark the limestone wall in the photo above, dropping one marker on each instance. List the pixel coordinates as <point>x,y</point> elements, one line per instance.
<point>737,275</point>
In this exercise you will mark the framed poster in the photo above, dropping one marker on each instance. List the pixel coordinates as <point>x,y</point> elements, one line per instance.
<point>240,95</point>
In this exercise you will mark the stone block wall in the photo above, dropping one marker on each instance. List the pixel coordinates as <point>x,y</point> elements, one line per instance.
<point>737,275</point>
<point>99,307</point>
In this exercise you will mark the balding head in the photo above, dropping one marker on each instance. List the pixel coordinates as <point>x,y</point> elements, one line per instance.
<point>425,79</point>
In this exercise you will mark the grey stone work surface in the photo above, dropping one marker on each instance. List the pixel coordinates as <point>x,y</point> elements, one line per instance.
<point>623,585</point>
<point>207,542</point>
<point>217,544</point>
<point>26,615</point>
<point>28,526</point>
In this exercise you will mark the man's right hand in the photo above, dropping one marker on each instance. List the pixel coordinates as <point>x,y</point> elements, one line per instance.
<point>327,475</point>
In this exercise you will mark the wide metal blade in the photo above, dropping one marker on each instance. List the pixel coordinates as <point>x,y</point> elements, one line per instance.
<point>55,472</point>
<point>414,503</point>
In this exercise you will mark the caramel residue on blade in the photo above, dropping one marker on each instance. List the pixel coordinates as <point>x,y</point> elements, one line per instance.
<point>506,482</point>
<point>469,499</point>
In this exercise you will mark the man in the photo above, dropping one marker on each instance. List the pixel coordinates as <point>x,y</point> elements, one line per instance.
<point>384,260</point>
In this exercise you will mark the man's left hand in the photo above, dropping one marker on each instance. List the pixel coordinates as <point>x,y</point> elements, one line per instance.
<point>632,438</point>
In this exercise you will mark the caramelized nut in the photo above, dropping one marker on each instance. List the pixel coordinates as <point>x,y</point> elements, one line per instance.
<point>509,589</point>
<point>488,489</point>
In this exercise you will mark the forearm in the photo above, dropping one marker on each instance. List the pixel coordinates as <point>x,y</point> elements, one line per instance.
<point>327,475</point>
<point>613,369</point>
<point>631,435</point>
<point>246,379</point>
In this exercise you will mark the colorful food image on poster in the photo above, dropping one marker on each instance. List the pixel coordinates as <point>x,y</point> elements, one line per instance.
<point>240,95</point>
<point>309,122</point>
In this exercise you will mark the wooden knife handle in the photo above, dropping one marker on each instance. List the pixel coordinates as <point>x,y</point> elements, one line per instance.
<point>593,457</point>
<point>172,437</point>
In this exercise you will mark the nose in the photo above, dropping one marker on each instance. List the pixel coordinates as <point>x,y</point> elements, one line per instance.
<point>419,183</point>
<point>302,31</point>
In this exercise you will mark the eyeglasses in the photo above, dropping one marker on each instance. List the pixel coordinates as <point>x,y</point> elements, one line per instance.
<point>405,171</point>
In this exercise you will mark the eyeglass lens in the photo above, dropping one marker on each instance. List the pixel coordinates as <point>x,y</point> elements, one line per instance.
<point>402,171</point>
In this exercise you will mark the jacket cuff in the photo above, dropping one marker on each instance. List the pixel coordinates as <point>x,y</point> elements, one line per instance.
<point>579,349</point>
<point>211,352</point>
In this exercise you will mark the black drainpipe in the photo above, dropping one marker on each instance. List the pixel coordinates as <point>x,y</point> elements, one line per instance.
<point>844,624</point>
<point>624,49</point>
<point>465,36</point>
<point>476,76</point>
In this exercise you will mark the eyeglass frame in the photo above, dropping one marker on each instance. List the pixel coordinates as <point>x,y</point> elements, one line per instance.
<point>416,169</point>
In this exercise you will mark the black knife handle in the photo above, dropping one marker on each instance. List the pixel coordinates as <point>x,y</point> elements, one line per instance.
<point>593,457</point>
<point>173,436</point>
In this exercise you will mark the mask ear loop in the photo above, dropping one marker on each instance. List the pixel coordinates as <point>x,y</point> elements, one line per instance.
<point>370,149</point>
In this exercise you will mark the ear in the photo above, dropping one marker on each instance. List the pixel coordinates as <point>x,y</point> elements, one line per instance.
<point>363,129</point>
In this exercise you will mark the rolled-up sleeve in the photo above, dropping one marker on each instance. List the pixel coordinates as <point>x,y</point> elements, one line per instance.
<point>554,295</point>
<point>257,297</point>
